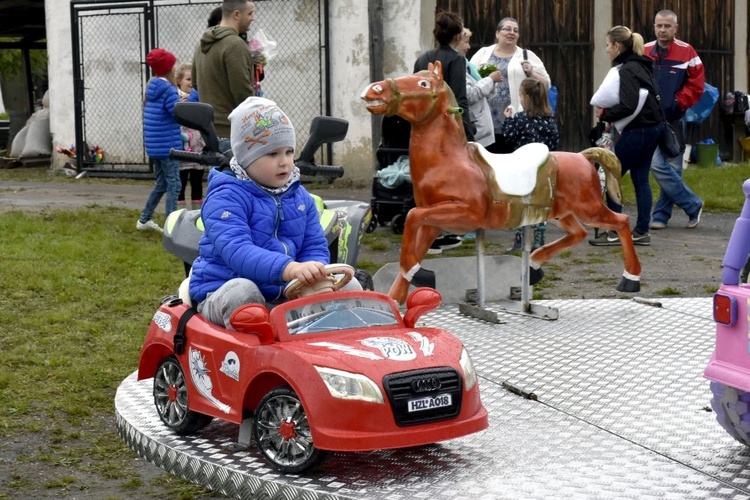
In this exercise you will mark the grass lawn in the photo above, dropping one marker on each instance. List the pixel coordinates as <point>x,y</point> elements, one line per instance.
<point>78,292</point>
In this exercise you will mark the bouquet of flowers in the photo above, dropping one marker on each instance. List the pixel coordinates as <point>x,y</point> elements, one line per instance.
<point>262,49</point>
<point>485,69</point>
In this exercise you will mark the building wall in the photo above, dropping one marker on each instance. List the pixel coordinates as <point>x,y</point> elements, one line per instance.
<point>407,31</point>
<point>59,55</point>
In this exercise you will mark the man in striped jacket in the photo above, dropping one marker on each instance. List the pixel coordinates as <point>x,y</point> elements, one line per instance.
<point>680,76</point>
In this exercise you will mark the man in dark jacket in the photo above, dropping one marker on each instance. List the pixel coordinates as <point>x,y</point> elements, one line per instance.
<point>640,138</point>
<point>680,75</point>
<point>223,66</point>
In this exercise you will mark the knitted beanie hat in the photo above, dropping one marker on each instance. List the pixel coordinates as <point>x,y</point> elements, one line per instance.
<point>258,127</point>
<point>161,61</point>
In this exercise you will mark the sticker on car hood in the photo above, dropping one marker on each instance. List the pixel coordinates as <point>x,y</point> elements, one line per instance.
<point>347,349</point>
<point>425,345</point>
<point>391,348</point>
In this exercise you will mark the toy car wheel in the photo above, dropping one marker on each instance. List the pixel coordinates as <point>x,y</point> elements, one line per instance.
<point>732,408</point>
<point>373,225</point>
<point>171,399</point>
<point>397,224</point>
<point>282,432</point>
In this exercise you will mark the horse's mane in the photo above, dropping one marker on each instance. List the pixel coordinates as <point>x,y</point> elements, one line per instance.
<point>452,103</point>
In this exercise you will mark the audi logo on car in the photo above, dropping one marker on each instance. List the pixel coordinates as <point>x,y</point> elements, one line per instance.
<point>426,384</point>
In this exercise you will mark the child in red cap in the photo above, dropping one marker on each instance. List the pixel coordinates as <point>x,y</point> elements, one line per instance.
<point>160,134</point>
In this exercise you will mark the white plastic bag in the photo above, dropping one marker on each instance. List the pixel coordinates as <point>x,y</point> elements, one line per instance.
<point>261,45</point>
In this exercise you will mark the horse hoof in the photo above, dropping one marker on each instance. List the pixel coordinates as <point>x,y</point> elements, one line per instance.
<point>424,277</point>
<point>629,286</point>
<point>535,275</point>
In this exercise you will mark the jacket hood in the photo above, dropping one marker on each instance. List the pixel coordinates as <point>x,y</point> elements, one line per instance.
<point>629,56</point>
<point>156,88</point>
<point>213,35</point>
<point>218,178</point>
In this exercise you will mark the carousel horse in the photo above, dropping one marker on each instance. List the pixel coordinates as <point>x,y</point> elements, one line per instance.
<point>460,187</point>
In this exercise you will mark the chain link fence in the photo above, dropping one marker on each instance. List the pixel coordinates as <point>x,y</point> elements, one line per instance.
<point>110,43</point>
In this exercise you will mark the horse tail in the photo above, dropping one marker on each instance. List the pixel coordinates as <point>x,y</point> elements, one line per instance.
<point>612,170</point>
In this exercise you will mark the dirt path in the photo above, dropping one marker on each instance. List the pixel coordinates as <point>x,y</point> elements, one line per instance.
<point>680,261</point>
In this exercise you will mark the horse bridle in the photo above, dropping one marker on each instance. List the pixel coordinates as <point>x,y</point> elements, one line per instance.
<point>398,96</point>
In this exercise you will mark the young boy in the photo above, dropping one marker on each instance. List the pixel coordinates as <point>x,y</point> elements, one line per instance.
<point>261,226</point>
<point>160,134</point>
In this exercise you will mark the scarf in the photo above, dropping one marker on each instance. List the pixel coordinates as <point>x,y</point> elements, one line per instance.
<point>241,174</point>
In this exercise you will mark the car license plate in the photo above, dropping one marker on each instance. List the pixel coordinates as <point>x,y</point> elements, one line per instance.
<point>428,403</point>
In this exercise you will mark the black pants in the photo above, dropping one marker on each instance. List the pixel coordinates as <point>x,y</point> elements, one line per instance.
<point>195,177</point>
<point>500,145</point>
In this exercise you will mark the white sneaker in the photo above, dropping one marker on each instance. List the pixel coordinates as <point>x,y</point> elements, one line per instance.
<point>149,224</point>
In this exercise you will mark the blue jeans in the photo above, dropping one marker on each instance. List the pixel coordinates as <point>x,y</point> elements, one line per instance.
<point>672,189</point>
<point>634,149</point>
<point>167,181</point>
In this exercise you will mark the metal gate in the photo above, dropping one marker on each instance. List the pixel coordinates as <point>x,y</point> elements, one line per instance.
<point>112,37</point>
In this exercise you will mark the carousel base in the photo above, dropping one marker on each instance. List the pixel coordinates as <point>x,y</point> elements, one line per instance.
<point>620,410</point>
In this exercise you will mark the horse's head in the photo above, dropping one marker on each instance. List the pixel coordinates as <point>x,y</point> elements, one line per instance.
<point>412,97</point>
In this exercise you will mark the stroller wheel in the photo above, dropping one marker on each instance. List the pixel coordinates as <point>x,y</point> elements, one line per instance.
<point>397,224</point>
<point>373,225</point>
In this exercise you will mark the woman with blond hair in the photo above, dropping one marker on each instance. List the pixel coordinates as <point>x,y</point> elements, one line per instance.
<point>640,137</point>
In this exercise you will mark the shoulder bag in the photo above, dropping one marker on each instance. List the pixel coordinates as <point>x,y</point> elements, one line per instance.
<point>669,142</point>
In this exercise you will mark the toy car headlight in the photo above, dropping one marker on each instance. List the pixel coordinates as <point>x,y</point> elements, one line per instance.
<point>345,385</point>
<point>470,375</point>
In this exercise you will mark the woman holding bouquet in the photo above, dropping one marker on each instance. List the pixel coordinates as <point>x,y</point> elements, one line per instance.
<point>515,64</point>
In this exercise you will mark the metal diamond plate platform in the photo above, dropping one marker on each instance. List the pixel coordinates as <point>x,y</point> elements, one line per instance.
<point>622,411</point>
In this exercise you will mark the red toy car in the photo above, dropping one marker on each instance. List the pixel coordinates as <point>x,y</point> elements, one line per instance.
<point>338,371</point>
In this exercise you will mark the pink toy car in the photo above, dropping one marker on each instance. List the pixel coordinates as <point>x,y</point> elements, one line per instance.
<point>338,371</point>
<point>729,368</point>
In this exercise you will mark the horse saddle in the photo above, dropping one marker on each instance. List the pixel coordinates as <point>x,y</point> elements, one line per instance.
<point>516,172</point>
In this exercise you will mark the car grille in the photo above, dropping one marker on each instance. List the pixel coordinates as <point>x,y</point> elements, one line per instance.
<point>404,387</point>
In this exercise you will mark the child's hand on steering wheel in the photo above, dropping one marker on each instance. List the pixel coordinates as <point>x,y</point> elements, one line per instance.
<point>306,272</point>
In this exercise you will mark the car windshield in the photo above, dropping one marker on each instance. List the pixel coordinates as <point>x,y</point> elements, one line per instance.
<point>339,314</point>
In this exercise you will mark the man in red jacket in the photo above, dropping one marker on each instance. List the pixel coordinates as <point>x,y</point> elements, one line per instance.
<point>680,76</point>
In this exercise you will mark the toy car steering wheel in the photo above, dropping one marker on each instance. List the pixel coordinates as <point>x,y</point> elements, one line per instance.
<point>337,275</point>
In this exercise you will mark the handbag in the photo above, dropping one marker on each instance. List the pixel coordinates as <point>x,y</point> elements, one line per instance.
<point>669,142</point>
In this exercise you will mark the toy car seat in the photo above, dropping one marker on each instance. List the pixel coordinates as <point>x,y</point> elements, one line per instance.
<point>183,292</point>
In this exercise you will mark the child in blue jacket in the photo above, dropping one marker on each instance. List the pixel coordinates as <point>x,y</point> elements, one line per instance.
<point>262,228</point>
<point>160,134</point>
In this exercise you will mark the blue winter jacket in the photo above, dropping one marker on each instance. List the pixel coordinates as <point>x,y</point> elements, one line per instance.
<point>251,233</point>
<point>160,131</point>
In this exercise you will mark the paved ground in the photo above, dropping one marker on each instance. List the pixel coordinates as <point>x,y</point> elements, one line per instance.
<point>680,261</point>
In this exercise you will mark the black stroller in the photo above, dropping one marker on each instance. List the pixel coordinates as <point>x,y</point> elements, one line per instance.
<point>390,205</point>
